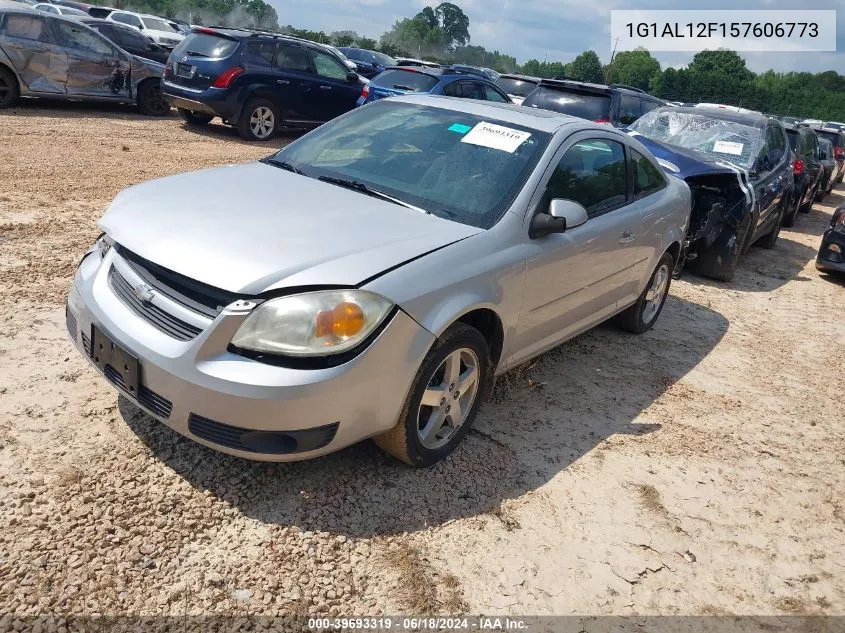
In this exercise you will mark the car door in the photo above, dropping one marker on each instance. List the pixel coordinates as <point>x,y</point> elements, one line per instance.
<point>293,82</point>
<point>29,43</point>
<point>576,279</point>
<point>768,180</point>
<point>96,68</point>
<point>333,93</point>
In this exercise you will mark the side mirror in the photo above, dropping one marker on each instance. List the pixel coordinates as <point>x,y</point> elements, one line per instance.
<point>140,27</point>
<point>352,77</point>
<point>573,213</point>
<point>350,64</point>
<point>562,216</point>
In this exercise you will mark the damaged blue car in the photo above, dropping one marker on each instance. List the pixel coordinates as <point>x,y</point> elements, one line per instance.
<point>738,166</point>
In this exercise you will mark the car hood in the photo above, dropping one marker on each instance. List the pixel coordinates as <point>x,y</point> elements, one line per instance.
<point>254,227</point>
<point>682,162</point>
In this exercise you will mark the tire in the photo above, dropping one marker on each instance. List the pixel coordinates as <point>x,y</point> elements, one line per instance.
<point>791,214</point>
<point>195,118</point>
<point>416,447</point>
<point>150,100</point>
<point>809,204</point>
<point>708,263</point>
<point>259,120</point>
<point>10,91</point>
<point>642,316</point>
<point>771,239</point>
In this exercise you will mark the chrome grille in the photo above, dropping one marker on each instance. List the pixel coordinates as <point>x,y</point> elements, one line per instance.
<point>155,316</point>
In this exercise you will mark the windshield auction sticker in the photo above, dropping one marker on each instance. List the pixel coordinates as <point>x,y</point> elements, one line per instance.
<point>738,30</point>
<point>728,147</point>
<point>496,137</point>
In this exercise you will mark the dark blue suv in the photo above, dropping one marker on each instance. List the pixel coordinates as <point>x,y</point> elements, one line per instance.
<point>257,82</point>
<point>370,63</point>
<point>450,82</point>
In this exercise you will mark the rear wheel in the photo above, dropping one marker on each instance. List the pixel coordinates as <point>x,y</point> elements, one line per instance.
<point>9,88</point>
<point>720,260</point>
<point>259,120</point>
<point>453,380</point>
<point>150,100</point>
<point>791,213</point>
<point>195,118</point>
<point>810,199</point>
<point>641,316</point>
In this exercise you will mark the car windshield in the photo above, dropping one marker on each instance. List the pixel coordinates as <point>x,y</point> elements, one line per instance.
<point>584,105</point>
<point>410,80</point>
<point>450,164</point>
<point>833,137</point>
<point>792,135</point>
<point>720,139</point>
<point>205,45</point>
<point>154,24</point>
<point>382,59</point>
<point>516,87</point>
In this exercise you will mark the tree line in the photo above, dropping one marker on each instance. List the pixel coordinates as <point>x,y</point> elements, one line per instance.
<point>441,33</point>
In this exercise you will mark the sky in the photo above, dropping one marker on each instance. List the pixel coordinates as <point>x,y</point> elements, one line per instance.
<point>556,30</point>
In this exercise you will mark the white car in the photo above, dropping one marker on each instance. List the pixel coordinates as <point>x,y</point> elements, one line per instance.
<point>58,9</point>
<point>157,29</point>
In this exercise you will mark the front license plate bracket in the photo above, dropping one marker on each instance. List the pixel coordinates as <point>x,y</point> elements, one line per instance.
<point>116,363</point>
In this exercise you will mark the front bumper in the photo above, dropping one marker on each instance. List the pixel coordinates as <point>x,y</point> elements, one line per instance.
<point>829,260</point>
<point>237,405</point>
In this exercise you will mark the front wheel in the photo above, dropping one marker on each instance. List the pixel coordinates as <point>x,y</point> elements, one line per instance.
<point>258,121</point>
<point>150,100</point>
<point>642,316</point>
<point>9,89</point>
<point>455,377</point>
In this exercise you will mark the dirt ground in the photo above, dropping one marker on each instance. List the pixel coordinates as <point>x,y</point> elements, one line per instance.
<point>698,469</point>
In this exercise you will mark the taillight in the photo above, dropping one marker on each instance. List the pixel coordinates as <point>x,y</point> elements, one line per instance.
<point>798,167</point>
<point>602,121</point>
<point>225,79</point>
<point>839,153</point>
<point>168,70</point>
<point>365,92</point>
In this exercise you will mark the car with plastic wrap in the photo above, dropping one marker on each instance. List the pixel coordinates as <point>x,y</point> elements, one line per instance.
<point>831,257</point>
<point>371,278</point>
<point>739,169</point>
<point>44,55</point>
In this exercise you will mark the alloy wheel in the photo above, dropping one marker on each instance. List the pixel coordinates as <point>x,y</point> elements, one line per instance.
<point>262,122</point>
<point>448,398</point>
<point>656,293</point>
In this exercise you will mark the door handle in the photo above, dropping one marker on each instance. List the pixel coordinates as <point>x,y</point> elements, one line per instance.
<point>284,82</point>
<point>627,237</point>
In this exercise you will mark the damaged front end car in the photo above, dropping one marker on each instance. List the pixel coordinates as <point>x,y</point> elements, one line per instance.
<point>738,167</point>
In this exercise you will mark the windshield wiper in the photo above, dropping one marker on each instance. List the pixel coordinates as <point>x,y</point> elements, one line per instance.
<point>284,165</point>
<point>367,190</point>
<point>401,87</point>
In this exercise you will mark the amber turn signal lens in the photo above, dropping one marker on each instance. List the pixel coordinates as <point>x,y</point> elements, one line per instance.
<point>346,319</point>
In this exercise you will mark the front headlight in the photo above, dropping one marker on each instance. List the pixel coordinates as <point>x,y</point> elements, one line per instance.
<point>313,324</point>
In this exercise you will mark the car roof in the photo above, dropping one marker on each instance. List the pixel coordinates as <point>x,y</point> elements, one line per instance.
<point>520,77</point>
<point>538,119</point>
<point>753,119</point>
<point>8,5</point>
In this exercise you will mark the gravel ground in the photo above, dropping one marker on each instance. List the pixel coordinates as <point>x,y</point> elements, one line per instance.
<point>695,470</point>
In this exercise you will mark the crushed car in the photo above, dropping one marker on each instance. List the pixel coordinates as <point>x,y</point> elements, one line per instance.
<point>43,55</point>
<point>738,166</point>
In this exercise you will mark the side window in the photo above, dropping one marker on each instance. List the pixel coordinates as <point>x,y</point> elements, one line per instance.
<point>592,173</point>
<point>26,27</point>
<point>131,38</point>
<point>126,18</point>
<point>472,90</point>
<point>292,57</point>
<point>328,67</point>
<point>647,178</point>
<point>106,31</point>
<point>648,105</point>
<point>261,53</point>
<point>82,38</point>
<point>49,8</point>
<point>495,95</point>
<point>629,108</point>
<point>453,89</point>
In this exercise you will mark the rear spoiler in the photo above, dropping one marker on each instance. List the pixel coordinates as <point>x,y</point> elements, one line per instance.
<point>212,30</point>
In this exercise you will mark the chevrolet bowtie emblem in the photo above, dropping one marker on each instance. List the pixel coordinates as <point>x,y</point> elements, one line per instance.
<point>144,293</point>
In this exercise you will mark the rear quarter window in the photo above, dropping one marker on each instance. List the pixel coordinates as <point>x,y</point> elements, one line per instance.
<point>206,45</point>
<point>27,27</point>
<point>585,106</point>
<point>405,80</point>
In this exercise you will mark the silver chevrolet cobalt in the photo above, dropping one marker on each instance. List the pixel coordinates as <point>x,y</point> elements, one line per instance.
<point>371,278</point>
